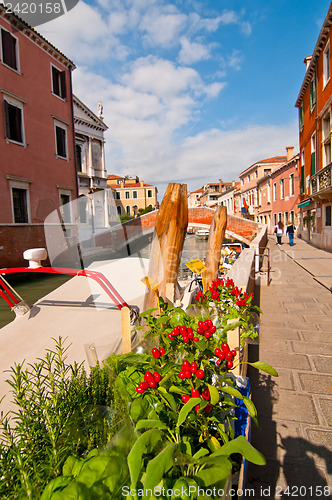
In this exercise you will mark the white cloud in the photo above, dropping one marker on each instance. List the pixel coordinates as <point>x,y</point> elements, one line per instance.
<point>192,52</point>
<point>162,26</point>
<point>84,35</point>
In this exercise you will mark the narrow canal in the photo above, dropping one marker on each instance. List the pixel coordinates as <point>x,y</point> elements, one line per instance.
<point>32,288</point>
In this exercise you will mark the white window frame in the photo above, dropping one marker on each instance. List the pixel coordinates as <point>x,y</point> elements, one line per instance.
<point>326,65</point>
<point>17,52</point>
<point>274,191</point>
<point>20,185</point>
<point>60,71</point>
<point>291,184</point>
<point>62,125</point>
<point>150,195</point>
<point>326,138</point>
<point>18,103</point>
<point>282,188</point>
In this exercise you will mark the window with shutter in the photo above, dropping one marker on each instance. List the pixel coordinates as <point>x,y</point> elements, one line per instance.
<point>13,116</point>
<point>301,117</point>
<point>61,142</point>
<point>9,49</point>
<point>59,82</point>
<point>313,92</point>
<point>313,163</point>
<point>302,179</point>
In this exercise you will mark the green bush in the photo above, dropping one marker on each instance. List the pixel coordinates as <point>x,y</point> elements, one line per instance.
<point>60,412</point>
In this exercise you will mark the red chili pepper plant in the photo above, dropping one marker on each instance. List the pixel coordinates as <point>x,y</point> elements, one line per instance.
<point>185,385</point>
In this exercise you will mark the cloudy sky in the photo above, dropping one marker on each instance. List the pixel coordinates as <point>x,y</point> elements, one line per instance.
<point>192,90</point>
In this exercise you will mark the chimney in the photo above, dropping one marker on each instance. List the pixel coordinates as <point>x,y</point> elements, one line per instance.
<point>307,61</point>
<point>290,152</point>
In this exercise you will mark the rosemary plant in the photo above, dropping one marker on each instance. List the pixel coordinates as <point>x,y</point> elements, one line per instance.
<point>60,411</point>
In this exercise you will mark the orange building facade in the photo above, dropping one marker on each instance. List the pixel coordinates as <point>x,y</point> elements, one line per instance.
<point>315,123</point>
<point>37,147</point>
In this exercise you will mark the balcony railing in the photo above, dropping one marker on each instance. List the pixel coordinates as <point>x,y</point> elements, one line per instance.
<point>321,182</point>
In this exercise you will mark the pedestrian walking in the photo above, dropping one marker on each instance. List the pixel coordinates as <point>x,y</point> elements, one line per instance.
<point>290,231</point>
<point>279,231</point>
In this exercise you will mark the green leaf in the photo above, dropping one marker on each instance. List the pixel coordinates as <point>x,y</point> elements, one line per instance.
<point>214,394</point>
<point>186,409</point>
<point>264,367</point>
<point>139,409</point>
<point>250,406</point>
<point>239,445</point>
<point>177,390</point>
<point>162,319</point>
<point>215,474</point>
<point>158,467</point>
<point>146,424</point>
<point>143,445</point>
<point>232,391</point>
<point>201,453</point>
<point>170,399</point>
<point>56,485</point>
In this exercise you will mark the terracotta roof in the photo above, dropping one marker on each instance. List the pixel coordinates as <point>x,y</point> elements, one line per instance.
<point>135,185</point>
<point>112,176</point>
<point>16,19</point>
<point>274,159</point>
<point>200,190</point>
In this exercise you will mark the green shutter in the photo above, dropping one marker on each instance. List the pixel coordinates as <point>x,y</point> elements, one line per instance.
<point>313,92</point>
<point>313,163</point>
<point>302,179</point>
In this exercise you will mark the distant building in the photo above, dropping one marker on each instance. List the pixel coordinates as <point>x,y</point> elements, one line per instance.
<point>227,198</point>
<point>247,199</point>
<point>211,191</point>
<point>131,194</point>
<point>194,198</point>
<point>37,146</point>
<point>315,124</point>
<point>278,193</point>
<point>285,192</point>
<point>90,165</point>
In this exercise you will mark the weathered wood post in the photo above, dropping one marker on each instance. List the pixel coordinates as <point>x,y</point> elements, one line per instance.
<point>214,245</point>
<point>168,239</point>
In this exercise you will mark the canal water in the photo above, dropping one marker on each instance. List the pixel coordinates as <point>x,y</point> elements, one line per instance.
<point>32,288</point>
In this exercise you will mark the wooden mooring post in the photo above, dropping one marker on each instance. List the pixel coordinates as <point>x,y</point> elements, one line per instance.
<point>214,245</point>
<point>168,240</point>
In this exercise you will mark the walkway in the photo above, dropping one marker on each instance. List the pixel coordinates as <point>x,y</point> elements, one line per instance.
<point>295,409</point>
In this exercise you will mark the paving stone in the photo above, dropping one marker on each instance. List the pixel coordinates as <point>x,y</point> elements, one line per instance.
<point>269,480</point>
<point>303,347</point>
<point>326,407</point>
<point>285,379</point>
<point>280,333</point>
<point>317,336</point>
<point>272,434</point>
<point>273,343</point>
<point>316,384</point>
<point>287,405</point>
<point>304,298</point>
<point>323,364</point>
<point>320,444</point>
<point>302,325</point>
<point>326,327</point>
<point>286,360</point>
<point>317,318</point>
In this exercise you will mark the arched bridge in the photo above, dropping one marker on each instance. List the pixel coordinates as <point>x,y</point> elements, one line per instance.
<point>130,232</point>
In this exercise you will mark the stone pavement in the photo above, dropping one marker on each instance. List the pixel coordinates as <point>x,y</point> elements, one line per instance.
<point>295,409</point>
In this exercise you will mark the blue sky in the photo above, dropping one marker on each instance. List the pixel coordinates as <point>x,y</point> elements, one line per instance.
<point>193,90</point>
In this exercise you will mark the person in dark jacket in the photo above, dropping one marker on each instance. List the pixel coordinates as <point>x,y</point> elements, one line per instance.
<point>290,231</point>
